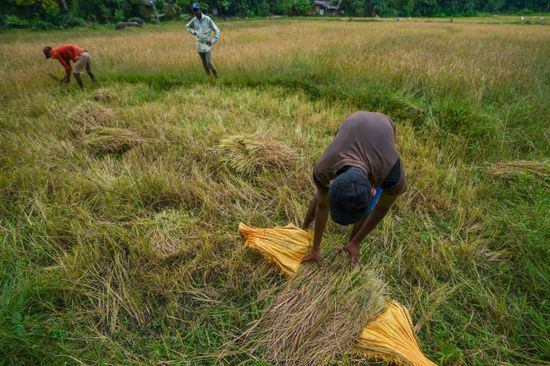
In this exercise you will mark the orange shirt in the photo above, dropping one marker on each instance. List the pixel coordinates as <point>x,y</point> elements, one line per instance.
<point>66,53</point>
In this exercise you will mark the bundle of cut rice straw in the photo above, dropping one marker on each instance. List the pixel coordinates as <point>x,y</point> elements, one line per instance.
<point>248,154</point>
<point>315,320</point>
<point>104,140</point>
<point>88,115</point>
<point>540,169</point>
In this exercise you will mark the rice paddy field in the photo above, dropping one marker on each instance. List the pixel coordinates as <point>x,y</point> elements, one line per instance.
<point>119,205</point>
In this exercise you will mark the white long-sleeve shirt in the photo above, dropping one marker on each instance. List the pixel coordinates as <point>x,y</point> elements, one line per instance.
<point>202,29</point>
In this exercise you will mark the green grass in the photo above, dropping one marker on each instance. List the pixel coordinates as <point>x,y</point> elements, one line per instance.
<point>134,258</point>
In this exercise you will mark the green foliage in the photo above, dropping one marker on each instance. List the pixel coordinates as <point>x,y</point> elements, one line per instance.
<point>296,7</point>
<point>13,21</point>
<point>354,7</point>
<point>75,22</point>
<point>262,8</point>
<point>41,14</point>
<point>119,15</point>
<point>44,5</point>
<point>136,19</point>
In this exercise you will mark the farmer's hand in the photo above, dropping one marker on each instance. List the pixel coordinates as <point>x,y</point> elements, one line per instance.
<point>353,250</point>
<point>313,256</point>
<point>209,43</point>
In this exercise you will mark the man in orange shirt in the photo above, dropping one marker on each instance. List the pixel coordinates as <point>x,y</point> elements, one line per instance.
<point>65,54</point>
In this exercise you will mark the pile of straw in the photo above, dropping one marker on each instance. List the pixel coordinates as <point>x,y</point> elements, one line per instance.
<point>540,169</point>
<point>319,315</point>
<point>103,95</point>
<point>88,115</point>
<point>102,140</point>
<point>250,154</point>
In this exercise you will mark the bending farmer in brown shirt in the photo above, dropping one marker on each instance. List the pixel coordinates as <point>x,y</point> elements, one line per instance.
<point>66,53</point>
<point>358,178</point>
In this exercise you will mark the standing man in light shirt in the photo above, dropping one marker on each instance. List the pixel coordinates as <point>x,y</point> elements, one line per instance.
<point>201,26</point>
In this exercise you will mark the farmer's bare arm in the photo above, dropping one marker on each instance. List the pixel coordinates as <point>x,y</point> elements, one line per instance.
<point>310,215</point>
<point>376,215</point>
<point>359,224</point>
<point>67,66</point>
<point>356,228</point>
<point>321,218</point>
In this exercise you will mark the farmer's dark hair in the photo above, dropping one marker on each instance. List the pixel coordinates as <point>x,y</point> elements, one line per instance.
<point>47,51</point>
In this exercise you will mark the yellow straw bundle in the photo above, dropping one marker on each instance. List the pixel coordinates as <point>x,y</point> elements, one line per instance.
<point>390,337</point>
<point>286,246</point>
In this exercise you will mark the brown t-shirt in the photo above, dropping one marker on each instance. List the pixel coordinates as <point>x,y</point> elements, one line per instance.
<point>365,140</point>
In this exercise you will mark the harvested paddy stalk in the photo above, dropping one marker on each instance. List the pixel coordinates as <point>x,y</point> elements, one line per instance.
<point>106,140</point>
<point>88,115</point>
<point>248,154</point>
<point>103,95</point>
<point>315,320</point>
<point>540,169</point>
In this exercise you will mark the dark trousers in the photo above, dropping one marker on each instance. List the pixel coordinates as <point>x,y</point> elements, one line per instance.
<point>206,58</point>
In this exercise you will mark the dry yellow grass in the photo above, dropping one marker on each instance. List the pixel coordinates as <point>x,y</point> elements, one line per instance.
<point>540,169</point>
<point>476,56</point>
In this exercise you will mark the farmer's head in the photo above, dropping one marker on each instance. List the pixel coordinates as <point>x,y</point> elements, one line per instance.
<point>349,196</point>
<point>196,7</point>
<point>47,51</point>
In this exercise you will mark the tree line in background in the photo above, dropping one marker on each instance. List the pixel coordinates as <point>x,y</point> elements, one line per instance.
<point>43,14</point>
